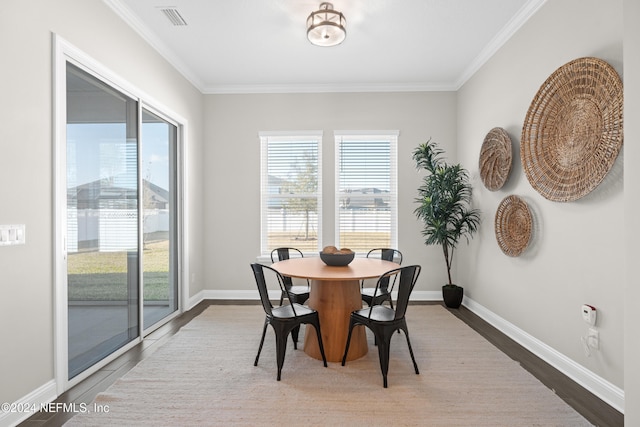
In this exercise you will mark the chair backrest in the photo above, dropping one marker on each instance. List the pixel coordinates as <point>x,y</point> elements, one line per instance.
<point>258,273</point>
<point>386,254</point>
<point>407,279</point>
<point>261,283</point>
<point>284,254</point>
<point>406,282</point>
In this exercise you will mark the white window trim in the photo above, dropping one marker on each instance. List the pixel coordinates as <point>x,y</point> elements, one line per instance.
<point>373,135</point>
<point>284,136</point>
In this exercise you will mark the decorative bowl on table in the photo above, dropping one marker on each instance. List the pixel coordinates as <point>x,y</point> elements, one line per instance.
<point>331,256</point>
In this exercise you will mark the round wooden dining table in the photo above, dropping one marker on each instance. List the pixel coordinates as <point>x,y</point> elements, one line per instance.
<point>335,293</point>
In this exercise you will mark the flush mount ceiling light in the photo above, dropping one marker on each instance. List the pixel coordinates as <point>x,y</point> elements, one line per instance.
<point>326,27</point>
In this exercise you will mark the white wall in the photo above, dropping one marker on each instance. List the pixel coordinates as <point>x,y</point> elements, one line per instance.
<point>26,283</point>
<point>576,255</point>
<point>631,209</point>
<point>232,176</point>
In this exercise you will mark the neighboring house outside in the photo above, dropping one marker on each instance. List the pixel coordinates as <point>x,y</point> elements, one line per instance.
<point>102,213</point>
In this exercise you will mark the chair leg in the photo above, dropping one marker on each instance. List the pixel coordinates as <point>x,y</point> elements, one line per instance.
<point>264,331</point>
<point>294,335</point>
<point>281,347</point>
<point>406,334</point>
<point>316,326</point>
<point>384,341</point>
<point>346,348</point>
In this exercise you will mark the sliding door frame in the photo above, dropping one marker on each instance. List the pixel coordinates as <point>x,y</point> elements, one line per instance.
<point>62,53</point>
<point>143,105</point>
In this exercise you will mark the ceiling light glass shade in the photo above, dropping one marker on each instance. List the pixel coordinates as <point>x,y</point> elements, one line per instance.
<point>326,27</point>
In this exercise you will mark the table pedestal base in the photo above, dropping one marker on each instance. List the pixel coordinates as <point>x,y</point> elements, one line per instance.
<point>335,300</point>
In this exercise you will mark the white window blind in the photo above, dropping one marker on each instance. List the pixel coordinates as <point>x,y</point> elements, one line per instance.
<point>366,190</point>
<point>291,189</point>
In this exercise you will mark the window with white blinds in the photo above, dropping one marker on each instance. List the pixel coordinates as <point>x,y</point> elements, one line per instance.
<point>291,189</point>
<point>366,190</point>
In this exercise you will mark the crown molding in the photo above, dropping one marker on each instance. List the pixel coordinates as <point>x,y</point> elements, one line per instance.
<point>526,12</point>
<point>149,36</point>
<point>328,88</point>
<point>518,20</point>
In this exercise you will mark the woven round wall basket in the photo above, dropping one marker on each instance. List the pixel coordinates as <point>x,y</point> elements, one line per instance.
<point>573,130</point>
<point>513,225</point>
<point>495,159</point>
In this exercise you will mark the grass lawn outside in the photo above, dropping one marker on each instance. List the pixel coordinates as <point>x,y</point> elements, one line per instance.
<point>352,240</point>
<point>102,276</point>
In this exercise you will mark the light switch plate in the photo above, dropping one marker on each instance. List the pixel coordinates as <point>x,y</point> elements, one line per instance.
<point>13,234</point>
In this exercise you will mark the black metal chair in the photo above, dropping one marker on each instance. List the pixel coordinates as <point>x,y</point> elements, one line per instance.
<point>384,292</point>
<point>284,319</point>
<point>298,293</point>
<point>384,321</point>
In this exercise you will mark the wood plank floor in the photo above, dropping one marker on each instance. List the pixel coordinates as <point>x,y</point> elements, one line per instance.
<point>592,408</point>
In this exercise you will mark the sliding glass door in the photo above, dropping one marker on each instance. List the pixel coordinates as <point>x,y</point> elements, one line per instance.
<point>102,219</point>
<point>159,237</point>
<point>121,219</point>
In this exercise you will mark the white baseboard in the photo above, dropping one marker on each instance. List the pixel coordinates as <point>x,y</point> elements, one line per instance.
<point>597,385</point>
<point>245,295</point>
<point>28,405</point>
<point>423,296</point>
<point>229,295</point>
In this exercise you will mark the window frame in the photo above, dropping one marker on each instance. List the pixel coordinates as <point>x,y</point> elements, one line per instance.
<point>286,136</point>
<point>390,136</point>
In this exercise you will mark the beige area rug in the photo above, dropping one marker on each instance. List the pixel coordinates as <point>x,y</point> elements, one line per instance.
<point>204,376</point>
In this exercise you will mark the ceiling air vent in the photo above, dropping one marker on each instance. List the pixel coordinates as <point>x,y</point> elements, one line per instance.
<point>174,16</point>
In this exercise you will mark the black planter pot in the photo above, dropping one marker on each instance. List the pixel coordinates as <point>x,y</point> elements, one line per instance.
<point>452,295</point>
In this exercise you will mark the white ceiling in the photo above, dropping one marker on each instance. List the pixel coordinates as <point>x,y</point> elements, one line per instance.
<point>260,46</point>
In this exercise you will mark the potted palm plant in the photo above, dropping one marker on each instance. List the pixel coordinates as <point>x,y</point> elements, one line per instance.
<point>444,206</point>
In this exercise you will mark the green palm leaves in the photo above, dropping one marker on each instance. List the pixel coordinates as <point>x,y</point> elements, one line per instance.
<point>444,200</point>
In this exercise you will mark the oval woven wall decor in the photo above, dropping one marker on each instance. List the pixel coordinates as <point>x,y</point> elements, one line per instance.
<point>495,159</point>
<point>573,130</point>
<point>513,224</point>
